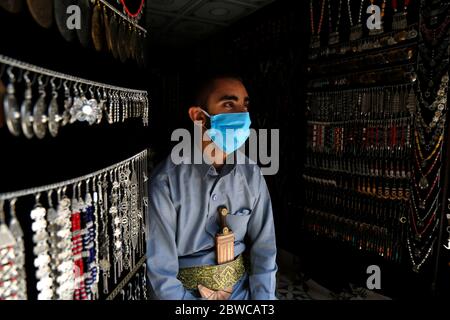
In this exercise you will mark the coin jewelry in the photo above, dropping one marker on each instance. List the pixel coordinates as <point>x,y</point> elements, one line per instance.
<point>19,248</point>
<point>66,265</point>
<point>41,251</point>
<point>8,269</point>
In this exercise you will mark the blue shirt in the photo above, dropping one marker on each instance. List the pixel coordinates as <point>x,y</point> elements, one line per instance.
<point>183,222</point>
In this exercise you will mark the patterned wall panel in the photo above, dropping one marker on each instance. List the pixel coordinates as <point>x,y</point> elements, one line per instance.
<point>184,21</point>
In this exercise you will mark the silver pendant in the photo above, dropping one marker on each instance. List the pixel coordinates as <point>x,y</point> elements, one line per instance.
<point>41,249</point>
<point>39,117</point>
<point>423,183</point>
<point>11,109</point>
<point>53,113</point>
<point>68,100</point>
<point>90,111</point>
<point>25,110</point>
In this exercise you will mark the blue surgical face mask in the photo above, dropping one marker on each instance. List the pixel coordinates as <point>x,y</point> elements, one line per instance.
<point>229,131</point>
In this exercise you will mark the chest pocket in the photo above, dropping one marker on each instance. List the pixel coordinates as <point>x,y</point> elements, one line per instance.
<point>238,221</point>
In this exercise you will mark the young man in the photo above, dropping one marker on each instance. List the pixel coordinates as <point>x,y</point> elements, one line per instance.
<point>184,205</point>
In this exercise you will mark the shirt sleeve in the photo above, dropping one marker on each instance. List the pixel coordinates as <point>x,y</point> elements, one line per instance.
<point>162,257</point>
<point>262,246</point>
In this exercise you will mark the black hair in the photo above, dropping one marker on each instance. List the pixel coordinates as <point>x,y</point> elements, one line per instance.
<point>205,86</point>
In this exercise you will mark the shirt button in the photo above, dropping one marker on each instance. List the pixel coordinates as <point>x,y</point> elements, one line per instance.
<point>214,197</point>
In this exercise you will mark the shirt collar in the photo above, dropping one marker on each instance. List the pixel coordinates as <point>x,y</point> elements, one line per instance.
<point>206,169</point>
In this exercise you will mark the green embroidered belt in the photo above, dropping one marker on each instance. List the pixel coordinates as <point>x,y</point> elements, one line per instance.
<point>216,277</point>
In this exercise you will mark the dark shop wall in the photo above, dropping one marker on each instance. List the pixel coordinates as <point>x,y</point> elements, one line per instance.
<point>79,148</point>
<point>335,264</point>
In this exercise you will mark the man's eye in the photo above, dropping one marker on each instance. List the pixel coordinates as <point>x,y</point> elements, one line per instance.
<point>228,105</point>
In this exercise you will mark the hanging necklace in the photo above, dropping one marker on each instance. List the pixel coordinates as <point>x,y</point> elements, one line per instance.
<point>423,202</point>
<point>421,155</point>
<point>433,56</point>
<point>315,37</point>
<point>438,122</point>
<point>423,183</point>
<point>334,35</point>
<point>418,265</point>
<point>413,205</point>
<point>419,234</point>
<point>356,31</point>
<point>399,20</point>
<point>434,35</point>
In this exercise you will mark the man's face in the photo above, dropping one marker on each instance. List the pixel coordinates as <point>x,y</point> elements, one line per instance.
<point>227,96</point>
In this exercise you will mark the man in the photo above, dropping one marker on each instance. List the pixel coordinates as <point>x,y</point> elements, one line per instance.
<point>183,210</point>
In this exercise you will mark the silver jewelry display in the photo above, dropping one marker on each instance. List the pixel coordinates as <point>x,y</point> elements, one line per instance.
<point>105,264</point>
<point>117,230</point>
<point>41,251</point>
<point>72,237</point>
<point>84,101</point>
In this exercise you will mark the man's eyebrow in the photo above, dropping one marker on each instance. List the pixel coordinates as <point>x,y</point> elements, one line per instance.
<point>233,98</point>
<point>229,97</point>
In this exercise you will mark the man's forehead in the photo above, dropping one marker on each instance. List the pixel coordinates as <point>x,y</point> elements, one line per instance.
<point>229,86</point>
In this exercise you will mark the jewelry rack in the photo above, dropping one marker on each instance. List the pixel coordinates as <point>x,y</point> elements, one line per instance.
<point>33,118</point>
<point>342,79</point>
<point>378,171</point>
<point>31,191</point>
<point>127,278</point>
<point>54,74</point>
<point>359,141</point>
<point>324,53</point>
<point>83,246</point>
<point>329,67</point>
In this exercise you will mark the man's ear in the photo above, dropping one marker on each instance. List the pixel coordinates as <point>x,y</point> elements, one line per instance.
<point>196,114</point>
